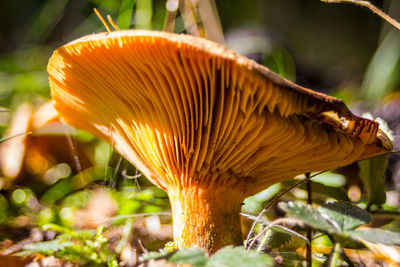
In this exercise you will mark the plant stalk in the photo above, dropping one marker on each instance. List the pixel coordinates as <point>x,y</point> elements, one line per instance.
<point>335,255</point>
<point>371,7</point>
<point>309,230</point>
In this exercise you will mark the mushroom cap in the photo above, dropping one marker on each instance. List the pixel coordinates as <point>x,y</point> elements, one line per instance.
<point>187,110</point>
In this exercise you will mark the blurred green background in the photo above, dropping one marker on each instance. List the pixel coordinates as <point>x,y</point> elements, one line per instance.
<point>329,44</point>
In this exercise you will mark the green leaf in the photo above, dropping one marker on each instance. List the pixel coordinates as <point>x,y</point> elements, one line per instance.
<point>195,256</point>
<point>308,215</point>
<point>372,173</point>
<point>318,188</point>
<point>154,255</point>
<point>377,236</point>
<point>48,246</point>
<point>238,256</point>
<point>69,232</point>
<point>278,239</point>
<point>112,262</point>
<point>337,193</point>
<point>143,14</point>
<point>330,179</point>
<point>345,215</point>
<point>382,73</point>
<point>44,21</point>
<point>125,14</point>
<point>67,185</point>
<point>225,257</point>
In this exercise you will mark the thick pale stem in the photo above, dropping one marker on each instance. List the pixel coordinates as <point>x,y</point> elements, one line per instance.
<point>206,217</point>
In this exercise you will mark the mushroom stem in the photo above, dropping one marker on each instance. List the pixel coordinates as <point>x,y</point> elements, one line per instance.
<point>206,217</point>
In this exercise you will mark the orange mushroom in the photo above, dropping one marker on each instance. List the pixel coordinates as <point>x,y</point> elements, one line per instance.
<point>202,122</point>
<point>12,151</point>
<point>36,142</point>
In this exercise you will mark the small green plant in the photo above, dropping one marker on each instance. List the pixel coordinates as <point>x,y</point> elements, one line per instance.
<point>226,257</point>
<point>81,246</point>
<point>340,222</point>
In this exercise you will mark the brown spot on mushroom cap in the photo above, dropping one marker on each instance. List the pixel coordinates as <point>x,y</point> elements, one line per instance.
<point>190,113</point>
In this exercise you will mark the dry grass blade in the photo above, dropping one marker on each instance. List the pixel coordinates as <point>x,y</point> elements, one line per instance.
<point>267,223</point>
<point>371,7</point>
<point>273,202</point>
<point>102,19</point>
<point>172,7</point>
<point>274,224</point>
<point>210,20</point>
<point>191,16</point>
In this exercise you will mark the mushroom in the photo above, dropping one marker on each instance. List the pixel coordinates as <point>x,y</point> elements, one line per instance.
<point>34,144</point>
<point>12,151</point>
<point>205,124</point>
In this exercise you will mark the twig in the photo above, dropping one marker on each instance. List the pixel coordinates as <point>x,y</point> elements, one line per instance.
<point>371,7</point>
<point>142,247</point>
<point>278,227</point>
<point>385,214</point>
<point>272,202</point>
<point>126,230</point>
<point>35,236</point>
<point>271,225</point>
